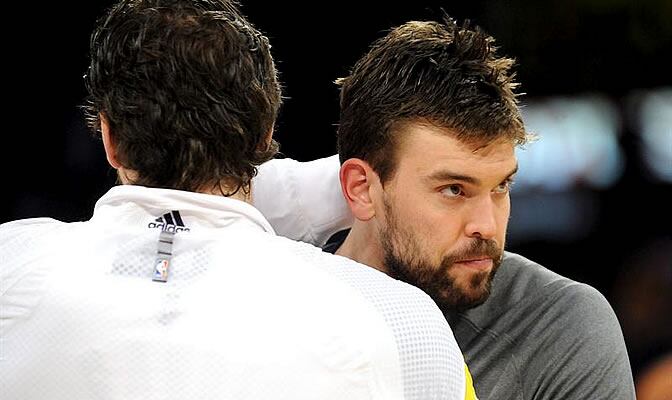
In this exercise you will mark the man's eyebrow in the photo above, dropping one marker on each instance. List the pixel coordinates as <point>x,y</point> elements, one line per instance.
<point>446,175</point>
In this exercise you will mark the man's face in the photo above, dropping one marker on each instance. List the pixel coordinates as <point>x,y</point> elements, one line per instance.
<point>445,214</point>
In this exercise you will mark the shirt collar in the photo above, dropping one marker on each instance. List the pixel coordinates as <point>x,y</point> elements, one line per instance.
<point>130,202</point>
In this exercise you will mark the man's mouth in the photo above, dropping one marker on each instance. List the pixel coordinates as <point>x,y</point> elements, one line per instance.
<point>479,263</point>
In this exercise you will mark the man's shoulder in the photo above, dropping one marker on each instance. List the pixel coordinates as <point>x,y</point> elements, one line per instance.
<point>22,225</point>
<point>388,295</point>
<point>27,247</point>
<point>528,299</point>
<point>426,345</point>
<point>514,266</point>
<point>523,288</point>
<point>522,279</point>
<point>577,331</point>
<point>345,268</point>
<point>562,335</point>
<point>24,235</point>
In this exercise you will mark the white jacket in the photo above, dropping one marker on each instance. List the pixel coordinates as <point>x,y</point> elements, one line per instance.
<point>243,314</point>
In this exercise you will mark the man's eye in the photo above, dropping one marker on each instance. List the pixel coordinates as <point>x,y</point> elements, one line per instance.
<point>504,187</point>
<point>451,191</point>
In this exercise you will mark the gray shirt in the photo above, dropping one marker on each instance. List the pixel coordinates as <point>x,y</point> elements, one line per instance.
<point>543,336</point>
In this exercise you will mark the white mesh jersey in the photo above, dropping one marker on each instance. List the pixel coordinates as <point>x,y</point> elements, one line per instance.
<point>243,314</point>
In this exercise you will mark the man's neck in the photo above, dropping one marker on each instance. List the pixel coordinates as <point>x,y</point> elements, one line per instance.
<point>241,194</point>
<point>362,246</point>
<point>127,177</point>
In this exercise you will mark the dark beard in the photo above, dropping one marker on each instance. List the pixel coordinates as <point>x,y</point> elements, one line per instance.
<point>404,260</point>
<point>439,284</point>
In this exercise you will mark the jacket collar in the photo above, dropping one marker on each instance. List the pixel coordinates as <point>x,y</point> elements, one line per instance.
<point>131,203</point>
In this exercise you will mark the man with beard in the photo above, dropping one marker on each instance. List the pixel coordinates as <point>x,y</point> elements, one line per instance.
<point>429,123</point>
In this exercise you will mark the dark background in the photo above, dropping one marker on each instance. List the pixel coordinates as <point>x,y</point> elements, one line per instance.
<point>52,167</point>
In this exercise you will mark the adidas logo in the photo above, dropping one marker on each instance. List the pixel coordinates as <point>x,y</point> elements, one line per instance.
<point>169,222</point>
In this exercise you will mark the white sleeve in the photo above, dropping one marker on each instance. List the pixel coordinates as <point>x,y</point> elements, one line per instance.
<point>302,200</point>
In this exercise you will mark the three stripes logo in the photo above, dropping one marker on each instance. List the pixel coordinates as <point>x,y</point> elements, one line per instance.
<point>169,222</point>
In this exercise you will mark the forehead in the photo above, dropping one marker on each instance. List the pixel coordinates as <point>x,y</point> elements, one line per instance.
<point>425,149</point>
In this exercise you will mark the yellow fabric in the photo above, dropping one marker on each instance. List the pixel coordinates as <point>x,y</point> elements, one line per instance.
<point>470,393</point>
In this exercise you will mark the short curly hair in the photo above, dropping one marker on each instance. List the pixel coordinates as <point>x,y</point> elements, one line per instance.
<point>430,72</point>
<point>189,90</point>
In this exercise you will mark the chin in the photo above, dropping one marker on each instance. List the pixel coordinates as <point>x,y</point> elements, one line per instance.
<point>462,301</point>
<point>465,292</point>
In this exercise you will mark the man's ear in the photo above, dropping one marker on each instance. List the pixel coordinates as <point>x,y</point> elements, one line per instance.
<point>359,183</point>
<point>108,143</point>
<point>268,139</point>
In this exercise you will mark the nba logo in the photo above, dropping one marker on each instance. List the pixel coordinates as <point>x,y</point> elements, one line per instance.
<point>160,271</point>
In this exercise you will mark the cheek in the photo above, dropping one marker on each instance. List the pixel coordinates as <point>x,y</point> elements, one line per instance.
<point>503,221</point>
<point>437,231</point>
<point>429,223</point>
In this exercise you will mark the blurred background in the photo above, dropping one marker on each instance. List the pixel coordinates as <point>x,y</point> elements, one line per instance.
<point>593,196</point>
